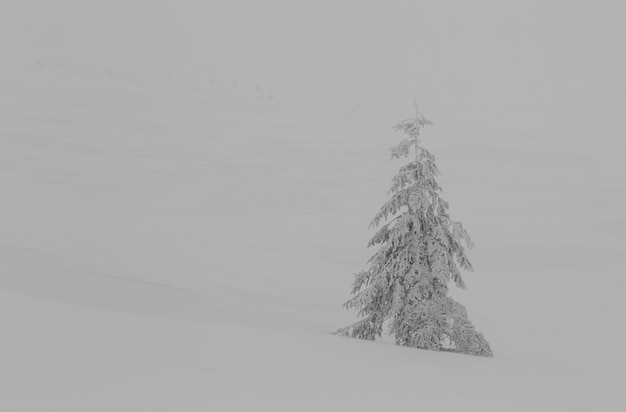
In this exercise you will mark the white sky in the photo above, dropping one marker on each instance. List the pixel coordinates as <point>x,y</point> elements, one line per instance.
<point>550,68</point>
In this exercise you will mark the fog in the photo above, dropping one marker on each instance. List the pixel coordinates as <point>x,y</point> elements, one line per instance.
<point>534,67</point>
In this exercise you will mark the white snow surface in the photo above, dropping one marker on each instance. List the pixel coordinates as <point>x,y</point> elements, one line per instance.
<point>169,246</point>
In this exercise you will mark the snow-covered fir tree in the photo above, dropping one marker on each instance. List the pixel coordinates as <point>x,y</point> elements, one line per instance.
<point>420,251</point>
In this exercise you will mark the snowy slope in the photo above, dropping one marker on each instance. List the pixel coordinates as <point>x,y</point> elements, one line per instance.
<point>166,245</point>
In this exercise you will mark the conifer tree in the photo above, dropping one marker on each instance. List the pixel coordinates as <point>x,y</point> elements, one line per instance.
<point>420,251</point>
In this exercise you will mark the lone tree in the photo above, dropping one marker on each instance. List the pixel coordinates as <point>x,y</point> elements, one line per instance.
<point>406,284</point>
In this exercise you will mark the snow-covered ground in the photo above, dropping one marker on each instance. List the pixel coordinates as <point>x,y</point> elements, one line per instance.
<point>169,246</point>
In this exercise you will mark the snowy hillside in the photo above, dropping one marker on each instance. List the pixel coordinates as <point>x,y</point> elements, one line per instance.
<point>172,246</point>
